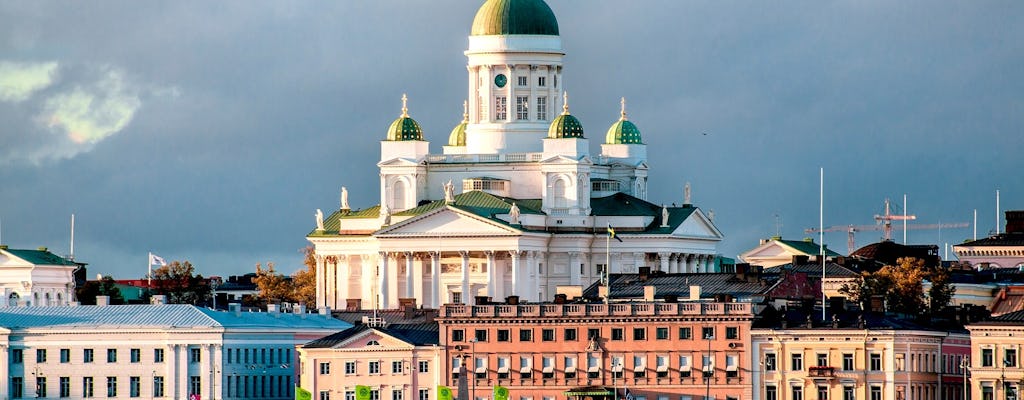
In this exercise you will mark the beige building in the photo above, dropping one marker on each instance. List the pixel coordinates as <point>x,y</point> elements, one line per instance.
<point>398,362</point>
<point>879,360</point>
<point>35,278</point>
<point>996,370</point>
<point>776,251</point>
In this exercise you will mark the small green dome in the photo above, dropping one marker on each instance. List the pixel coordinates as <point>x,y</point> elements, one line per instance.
<point>404,127</point>
<point>565,126</point>
<point>514,17</point>
<point>623,131</point>
<point>458,135</point>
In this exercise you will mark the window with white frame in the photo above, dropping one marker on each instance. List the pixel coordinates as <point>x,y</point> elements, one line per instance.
<point>618,364</point>
<point>639,366</point>
<point>500,108</point>
<point>522,108</point>
<point>685,364</point>
<point>350,367</point>
<point>796,362</point>
<point>504,367</point>
<point>796,393</point>
<point>661,366</point>
<point>424,366</point>
<point>350,395</point>
<point>424,394</point>
<point>548,365</point>
<point>374,367</point>
<point>732,365</point>
<point>525,366</point>
<point>325,368</point>
<point>542,108</point>
<point>522,80</point>
<point>325,395</point>
<point>771,393</point>
<point>570,366</point>
<point>593,366</point>
<point>480,367</point>
<point>848,393</point>
<point>770,362</point>
<point>397,394</point>
<point>397,367</point>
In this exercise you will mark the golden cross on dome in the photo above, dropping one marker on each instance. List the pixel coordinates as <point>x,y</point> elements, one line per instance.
<point>623,102</point>
<point>565,102</point>
<point>465,111</point>
<point>405,108</point>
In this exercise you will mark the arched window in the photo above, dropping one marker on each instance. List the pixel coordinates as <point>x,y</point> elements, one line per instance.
<point>60,299</point>
<point>13,300</point>
<point>35,299</point>
<point>558,194</point>
<point>398,196</point>
<point>47,297</point>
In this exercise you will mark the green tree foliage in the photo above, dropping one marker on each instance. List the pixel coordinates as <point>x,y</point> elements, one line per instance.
<point>304,280</point>
<point>179,282</point>
<point>106,286</point>
<point>901,287</point>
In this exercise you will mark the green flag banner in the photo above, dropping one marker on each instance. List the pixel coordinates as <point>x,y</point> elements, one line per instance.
<point>444,393</point>
<point>500,393</point>
<point>302,394</point>
<point>362,392</point>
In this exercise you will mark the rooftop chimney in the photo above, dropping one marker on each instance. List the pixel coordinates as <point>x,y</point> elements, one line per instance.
<point>649,292</point>
<point>1015,221</point>
<point>102,301</point>
<point>695,292</point>
<point>800,259</point>
<point>645,272</point>
<point>158,299</point>
<point>235,308</point>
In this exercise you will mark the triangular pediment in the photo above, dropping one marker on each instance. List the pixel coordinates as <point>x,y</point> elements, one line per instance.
<point>697,225</point>
<point>372,339</point>
<point>399,162</point>
<point>447,221</point>
<point>560,159</point>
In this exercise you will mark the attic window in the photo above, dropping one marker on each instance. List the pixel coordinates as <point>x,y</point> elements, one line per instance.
<point>373,343</point>
<point>604,186</point>
<point>495,186</point>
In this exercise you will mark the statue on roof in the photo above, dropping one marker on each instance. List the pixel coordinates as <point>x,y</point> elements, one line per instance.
<point>664,216</point>
<point>711,215</point>
<point>449,192</point>
<point>385,213</point>
<point>344,199</point>
<point>319,220</point>
<point>513,214</point>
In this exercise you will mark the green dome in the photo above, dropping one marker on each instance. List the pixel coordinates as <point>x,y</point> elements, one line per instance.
<point>623,132</point>
<point>514,17</point>
<point>458,135</point>
<point>404,127</point>
<point>565,126</point>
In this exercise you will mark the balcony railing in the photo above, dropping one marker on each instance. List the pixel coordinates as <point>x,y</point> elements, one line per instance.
<point>578,310</point>
<point>821,372</point>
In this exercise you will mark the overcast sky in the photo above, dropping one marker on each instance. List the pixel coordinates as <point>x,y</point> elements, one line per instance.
<point>211,131</point>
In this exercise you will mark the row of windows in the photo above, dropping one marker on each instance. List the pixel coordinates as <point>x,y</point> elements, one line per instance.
<point>259,356</point>
<point>522,108</point>
<point>572,334</point>
<point>89,355</point>
<point>374,367</point>
<point>771,392</point>
<point>396,394</point>
<point>594,365</point>
<point>87,388</point>
<point>1009,357</point>
<point>796,362</point>
<point>260,386</point>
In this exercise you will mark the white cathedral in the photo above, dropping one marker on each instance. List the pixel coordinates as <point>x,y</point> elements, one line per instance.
<point>515,204</point>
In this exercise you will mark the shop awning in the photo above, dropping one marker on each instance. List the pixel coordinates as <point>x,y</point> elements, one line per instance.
<point>589,391</point>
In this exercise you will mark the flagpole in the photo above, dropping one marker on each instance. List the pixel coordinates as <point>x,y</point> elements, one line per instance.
<point>607,267</point>
<point>821,235</point>
<point>149,277</point>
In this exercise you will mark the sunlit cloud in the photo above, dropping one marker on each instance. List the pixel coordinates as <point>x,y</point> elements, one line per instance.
<point>89,114</point>
<point>20,80</point>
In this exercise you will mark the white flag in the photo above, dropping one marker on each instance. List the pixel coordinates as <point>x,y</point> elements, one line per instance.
<point>156,260</point>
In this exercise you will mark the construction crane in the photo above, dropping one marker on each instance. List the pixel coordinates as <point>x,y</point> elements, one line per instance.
<point>885,225</point>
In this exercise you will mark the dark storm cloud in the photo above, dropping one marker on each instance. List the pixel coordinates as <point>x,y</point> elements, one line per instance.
<point>253,114</point>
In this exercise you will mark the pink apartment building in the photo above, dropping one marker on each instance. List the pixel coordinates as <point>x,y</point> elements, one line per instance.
<point>653,350</point>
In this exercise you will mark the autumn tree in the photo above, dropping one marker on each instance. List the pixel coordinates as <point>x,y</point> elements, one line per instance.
<point>273,286</point>
<point>179,282</point>
<point>304,280</point>
<point>106,286</point>
<point>901,287</point>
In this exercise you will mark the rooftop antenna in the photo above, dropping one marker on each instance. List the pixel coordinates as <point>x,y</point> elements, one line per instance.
<point>997,211</point>
<point>778,225</point>
<point>975,224</point>
<point>71,256</point>
<point>904,219</point>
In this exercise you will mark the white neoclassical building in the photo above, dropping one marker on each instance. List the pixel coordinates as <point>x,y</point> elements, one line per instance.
<point>159,351</point>
<point>515,204</point>
<point>36,278</point>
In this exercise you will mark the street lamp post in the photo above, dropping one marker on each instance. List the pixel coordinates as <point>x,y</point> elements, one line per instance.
<point>472,354</point>
<point>708,369</point>
<point>38,374</point>
<point>965,364</point>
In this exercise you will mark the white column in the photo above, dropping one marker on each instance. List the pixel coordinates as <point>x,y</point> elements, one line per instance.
<point>4,372</point>
<point>382,280</point>
<point>344,274</point>
<point>435,276</point>
<point>409,284</point>
<point>465,277</point>
<point>663,258</point>
<point>510,106</point>
<point>688,261</point>
<point>181,361</point>
<point>516,273</point>
<point>529,291</point>
<point>474,93</point>
<point>368,281</point>
<point>492,275</point>
<point>531,113</point>
<point>205,364</point>
<point>321,298</point>
<point>218,373</point>
<point>417,279</point>
<point>574,270</point>
<point>710,263</point>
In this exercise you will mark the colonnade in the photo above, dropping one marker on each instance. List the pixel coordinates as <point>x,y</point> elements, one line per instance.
<point>435,278</point>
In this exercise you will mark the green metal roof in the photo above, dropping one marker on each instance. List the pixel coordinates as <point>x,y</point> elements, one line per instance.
<point>623,132</point>
<point>565,126</point>
<point>807,247</point>
<point>514,17</point>
<point>404,128</point>
<point>40,257</point>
